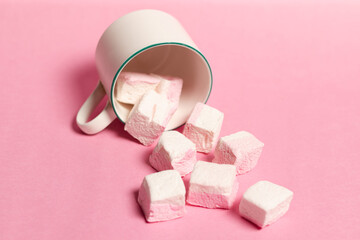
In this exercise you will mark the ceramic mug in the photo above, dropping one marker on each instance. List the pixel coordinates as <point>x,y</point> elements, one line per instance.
<point>146,41</point>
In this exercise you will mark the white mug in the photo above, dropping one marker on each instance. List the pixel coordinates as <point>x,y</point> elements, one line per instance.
<point>146,41</point>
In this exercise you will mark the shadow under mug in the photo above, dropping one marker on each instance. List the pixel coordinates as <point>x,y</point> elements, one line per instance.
<point>145,41</point>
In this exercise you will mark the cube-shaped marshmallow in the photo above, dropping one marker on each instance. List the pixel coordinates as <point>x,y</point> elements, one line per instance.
<point>213,185</point>
<point>171,88</point>
<point>241,149</point>
<point>174,151</point>
<point>203,127</point>
<point>264,203</point>
<point>162,196</point>
<point>149,117</point>
<point>130,86</point>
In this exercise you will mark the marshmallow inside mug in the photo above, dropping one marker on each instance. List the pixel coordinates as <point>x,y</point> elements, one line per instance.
<point>171,59</point>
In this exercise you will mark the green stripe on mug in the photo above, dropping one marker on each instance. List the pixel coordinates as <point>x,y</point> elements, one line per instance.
<point>146,41</point>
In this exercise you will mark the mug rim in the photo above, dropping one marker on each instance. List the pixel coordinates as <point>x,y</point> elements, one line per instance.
<point>146,48</point>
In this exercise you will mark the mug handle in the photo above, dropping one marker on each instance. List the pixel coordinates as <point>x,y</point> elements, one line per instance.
<point>101,121</point>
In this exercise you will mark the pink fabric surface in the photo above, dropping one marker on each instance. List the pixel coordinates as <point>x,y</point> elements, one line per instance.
<point>287,72</point>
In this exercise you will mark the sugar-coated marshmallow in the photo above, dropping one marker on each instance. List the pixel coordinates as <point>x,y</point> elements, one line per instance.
<point>162,196</point>
<point>130,86</point>
<point>171,88</point>
<point>241,149</point>
<point>212,185</point>
<point>174,151</point>
<point>264,203</point>
<point>149,117</point>
<point>203,127</point>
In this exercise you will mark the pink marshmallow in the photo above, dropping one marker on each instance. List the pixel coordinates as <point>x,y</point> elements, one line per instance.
<point>264,203</point>
<point>162,196</point>
<point>203,127</point>
<point>149,117</point>
<point>212,185</point>
<point>170,86</point>
<point>174,151</point>
<point>130,86</point>
<point>241,149</point>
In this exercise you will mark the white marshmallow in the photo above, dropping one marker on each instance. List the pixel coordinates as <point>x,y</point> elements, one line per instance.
<point>212,185</point>
<point>130,86</point>
<point>241,149</point>
<point>203,127</point>
<point>171,88</point>
<point>162,196</point>
<point>149,117</point>
<point>264,203</point>
<point>174,151</point>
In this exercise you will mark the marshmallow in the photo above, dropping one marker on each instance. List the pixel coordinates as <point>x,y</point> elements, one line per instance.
<point>130,86</point>
<point>264,203</point>
<point>241,149</point>
<point>174,151</point>
<point>171,88</point>
<point>162,196</point>
<point>212,185</point>
<point>203,127</point>
<point>149,117</point>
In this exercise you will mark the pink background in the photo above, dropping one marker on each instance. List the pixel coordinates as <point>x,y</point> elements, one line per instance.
<point>288,73</point>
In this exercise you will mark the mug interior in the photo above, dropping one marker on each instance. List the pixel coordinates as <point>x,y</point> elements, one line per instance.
<point>172,59</point>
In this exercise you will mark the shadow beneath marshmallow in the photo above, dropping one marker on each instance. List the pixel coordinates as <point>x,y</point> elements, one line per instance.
<point>251,224</point>
<point>117,127</point>
<point>180,129</point>
<point>146,155</point>
<point>235,208</point>
<point>137,208</point>
<point>206,157</point>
